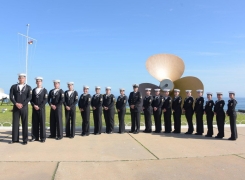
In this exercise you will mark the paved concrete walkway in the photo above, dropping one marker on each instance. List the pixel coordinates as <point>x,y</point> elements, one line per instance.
<point>125,156</point>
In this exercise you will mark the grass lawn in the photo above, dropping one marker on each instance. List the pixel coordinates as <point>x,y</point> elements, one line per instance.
<point>6,117</point>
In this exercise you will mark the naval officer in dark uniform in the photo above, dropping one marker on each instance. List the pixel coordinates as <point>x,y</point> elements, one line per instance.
<point>157,102</point>
<point>70,101</point>
<point>177,111</point>
<point>188,110</point>
<point>38,102</point>
<point>20,94</point>
<point>220,115</point>
<point>134,101</point>
<point>231,112</point>
<point>147,108</point>
<point>55,100</point>
<point>109,110</point>
<point>121,109</point>
<point>96,103</point>
<point>208,110</point>
<point>84,107</point>
<point>198,109</point>
<point>167,111</point>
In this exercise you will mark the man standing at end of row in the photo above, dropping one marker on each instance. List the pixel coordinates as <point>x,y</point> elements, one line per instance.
<point>188,109</point>
<point>84,107</point>
<point>109,110</point>
<point>20,94</point>
<point>70,101</point>
<point>198,108</point>
<point>134,101</point>
<point>55,100</point>
<point>176,108</point>
<point>38,102</point>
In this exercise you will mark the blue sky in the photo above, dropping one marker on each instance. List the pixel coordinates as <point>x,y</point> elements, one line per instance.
<point>107,42</point>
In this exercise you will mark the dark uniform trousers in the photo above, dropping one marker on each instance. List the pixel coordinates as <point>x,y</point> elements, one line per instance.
<point>209,116</point>
<point>135,98</point>
<point>84,103</point>
<point>199,114</point>
<point>220,117</point>
<point>70,115</point>
<point>20,96</point>
<point>109,101</point>
<point>147,113</point>
<point>39,116</point>
<point>189,113</point>
<point>57,99</point>
<point>96,102</point>
<point>157,103</point>
<point>121,106</point>
<point>176,107</point>
<point>167,114</point>
<point>231,112</point>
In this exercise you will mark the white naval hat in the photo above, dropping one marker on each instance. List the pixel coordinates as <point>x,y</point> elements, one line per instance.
<point>108,88</point>
<point>157,89</point>
<point>209,93</point>
<point>166,90</point>
<point>56,81</point>
<point>231,92</point>
<point>97,87</point>
<point>22,74</point>
<point>176,90</point>
<point>148,89</point>
<point>219,93</point>
<point>135,85</point>
<point>38,78</point>
<point>199,90</point>
<point>121,89</point>
<point>85,86</point>
<point>68,83</point>
<point>188,91</point>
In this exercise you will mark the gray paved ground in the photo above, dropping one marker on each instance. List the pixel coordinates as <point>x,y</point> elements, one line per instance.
<point>127,156</point>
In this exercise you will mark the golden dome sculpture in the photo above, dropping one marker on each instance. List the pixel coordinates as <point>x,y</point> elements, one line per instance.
<point>168,69</point>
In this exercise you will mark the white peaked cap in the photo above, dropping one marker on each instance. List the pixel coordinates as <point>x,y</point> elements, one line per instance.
<point>108,87</point>
<point>209,93</point>
<point>22,74</point>
<point>36,78</point>
<point>166,90</point>
<point>157,89</point>
<point>121,89</point>
<point>219,93</point>
<point>199,90</point>
<point>231,92</point>
<point>85,86</point>
<point>148,89</point>
<point>56,81</point>
<point>135,85</point>
<point>188,91</point>
<point>176,90</point>
<point>70,83</point>
<point>97,87</point>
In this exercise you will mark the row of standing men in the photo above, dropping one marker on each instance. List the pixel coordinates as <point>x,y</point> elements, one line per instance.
<point>21,94</point>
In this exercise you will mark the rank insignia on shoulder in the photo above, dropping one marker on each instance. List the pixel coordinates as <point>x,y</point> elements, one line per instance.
<point>220,105</point>
<point>62,94</point>
<point>140,97</point>
<point>199,102</point>
<point>150,100</point>
<point>231,104</point>
<point>30,91</point>
<point>209,104</point>
<point>124,101</point>
<point>179,100</point>
<point>162,100</point>
<point>89,99</point>
<point>100,99</point>
<point>170,100</point>
<point>76,97</point>
<point>46,95</point>
<point>189,101</point>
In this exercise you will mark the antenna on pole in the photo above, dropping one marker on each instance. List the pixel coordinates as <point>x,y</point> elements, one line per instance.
<point>29,40</point>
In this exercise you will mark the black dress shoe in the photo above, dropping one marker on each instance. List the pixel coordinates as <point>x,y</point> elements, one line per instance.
<point>218,137</point>
<point>32,140</point>
<point>131,132</point>
<point>198,134</point>
<point>87,134</point>
<point>144,131</point>
<point>188,133</point>
<point>58,138</point>
<point>157,131</point>
<point>232,139</point>
<point>12,142</point>
<point>51,136</point>
<point>208,135</point>
<point>82,134</point>
<point>136,132</point>
<point>24,143</point>
<point>71,137</point>
<point>42,141</point>
<point>96,133</point>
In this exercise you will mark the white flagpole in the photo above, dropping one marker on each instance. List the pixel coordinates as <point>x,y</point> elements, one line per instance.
<point>27,40</point>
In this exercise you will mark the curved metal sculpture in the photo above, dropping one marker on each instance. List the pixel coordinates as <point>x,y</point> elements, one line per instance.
<point>168,69</point>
